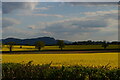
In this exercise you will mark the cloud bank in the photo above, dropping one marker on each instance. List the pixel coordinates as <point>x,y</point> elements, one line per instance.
<point>8,7</point>
<point>9,22</point>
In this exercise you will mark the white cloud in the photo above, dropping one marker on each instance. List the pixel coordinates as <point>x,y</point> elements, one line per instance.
<point>42,8</point>
<point>31,26</point>
<point>60,1</point>
<point>93,4</point>
<point>20,0</point>
<point>9,7</point>
<point>43,15</point>
<point>95,28</point>
<point>79,0</point>
<point>46,32</point>
<point>8,22</point>
<point>98,23</point>
<point>100,13</point>
<point>72,26</point>
<point>84,27</point>
<point>112,26</point>
<point>17,33</point>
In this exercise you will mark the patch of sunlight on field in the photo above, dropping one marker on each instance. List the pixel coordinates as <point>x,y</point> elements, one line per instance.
<point>86,59</point>
<point>67,47</point>
<point>17,48</point>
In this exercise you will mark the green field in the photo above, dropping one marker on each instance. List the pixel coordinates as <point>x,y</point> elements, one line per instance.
<point>67,47</point>
<point>86,59</point>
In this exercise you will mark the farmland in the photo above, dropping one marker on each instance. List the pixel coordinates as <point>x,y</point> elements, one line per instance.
<point>63,57</point>
<point>86,59</point>
<point>67,47</point>
<point>52,63</point>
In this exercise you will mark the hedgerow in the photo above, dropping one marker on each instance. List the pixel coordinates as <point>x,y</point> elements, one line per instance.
<point>29,71</point>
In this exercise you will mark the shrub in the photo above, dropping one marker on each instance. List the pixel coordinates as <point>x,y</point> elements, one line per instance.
<point>47,72</point>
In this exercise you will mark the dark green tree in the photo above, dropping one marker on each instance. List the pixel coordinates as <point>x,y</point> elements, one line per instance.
<point>39,45</point>
<point>10,45</point>
<point>61,44</point>
<point>20,46</point>
<point>1,45</point>
<point>105,44</point>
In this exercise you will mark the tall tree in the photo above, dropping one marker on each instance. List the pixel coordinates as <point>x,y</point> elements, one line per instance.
<point>61,44</point>
<point>20,46</point>
<point>10,45</point>
<point>39,45</point>
<point>105,44</point>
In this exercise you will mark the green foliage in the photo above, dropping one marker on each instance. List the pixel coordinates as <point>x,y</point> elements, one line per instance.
<point>61,44</point>
<point>105,44</point>
<point>47,72</point>
<point>20,46</point>
<point>39,45</point>
<point>1,45</point>
<point>10,45</point>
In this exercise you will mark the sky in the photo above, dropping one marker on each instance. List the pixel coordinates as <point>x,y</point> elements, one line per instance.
<point>73,21</point>
<point>59,0</point>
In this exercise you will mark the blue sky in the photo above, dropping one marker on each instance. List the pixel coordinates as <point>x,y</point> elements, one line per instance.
<point>61,20</point>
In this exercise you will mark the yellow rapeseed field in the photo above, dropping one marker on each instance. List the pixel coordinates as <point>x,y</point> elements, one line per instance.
<point>86,59</point>
<point>67,47</point>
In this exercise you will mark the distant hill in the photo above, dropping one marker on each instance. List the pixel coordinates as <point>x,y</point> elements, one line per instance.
<point>53,41</point>
<point>47,40</point>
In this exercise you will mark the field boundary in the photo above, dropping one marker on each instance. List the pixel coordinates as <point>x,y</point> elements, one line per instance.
<point>63,51</point>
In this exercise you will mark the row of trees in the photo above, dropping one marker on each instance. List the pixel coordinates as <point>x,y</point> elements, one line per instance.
<point>38,45</point>
<point>90,42</point>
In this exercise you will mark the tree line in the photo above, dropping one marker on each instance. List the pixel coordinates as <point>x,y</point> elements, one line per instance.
<point>90,42</point>
<point>38,45</point>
